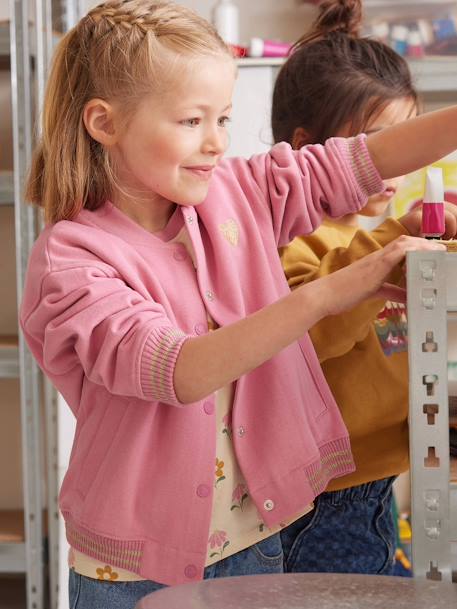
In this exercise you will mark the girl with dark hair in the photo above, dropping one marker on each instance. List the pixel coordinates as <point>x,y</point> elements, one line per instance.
<point>338,84</point>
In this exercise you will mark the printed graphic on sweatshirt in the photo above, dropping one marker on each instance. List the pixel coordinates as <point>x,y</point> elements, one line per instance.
<point>392,328</point>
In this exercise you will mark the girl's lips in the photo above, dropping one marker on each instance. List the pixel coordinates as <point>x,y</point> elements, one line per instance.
<point>203,172</point>
<point>388,193</point>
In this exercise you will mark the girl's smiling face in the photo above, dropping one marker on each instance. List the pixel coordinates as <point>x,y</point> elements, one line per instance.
<point>167,151</point>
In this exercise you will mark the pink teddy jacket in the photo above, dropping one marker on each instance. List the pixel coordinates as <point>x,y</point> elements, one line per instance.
<point>106,309</point>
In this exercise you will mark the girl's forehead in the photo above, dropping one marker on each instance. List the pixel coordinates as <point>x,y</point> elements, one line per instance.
<point>208,78</point>
<point>394,111</point>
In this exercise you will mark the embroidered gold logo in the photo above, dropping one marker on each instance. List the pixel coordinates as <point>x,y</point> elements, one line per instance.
<point>230,231</point>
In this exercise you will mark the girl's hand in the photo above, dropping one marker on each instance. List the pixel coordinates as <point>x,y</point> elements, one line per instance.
<point>413,221</point>
<point>366,278</point>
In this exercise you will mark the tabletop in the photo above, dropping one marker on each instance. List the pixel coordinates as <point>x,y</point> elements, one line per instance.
<point>306,591</point>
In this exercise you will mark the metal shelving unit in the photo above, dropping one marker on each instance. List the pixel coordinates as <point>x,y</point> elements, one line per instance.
<point>435,74</point>
<point>431,74</point>
<point>6,188</point>
<point>432,302</point>
<point>25,537</point>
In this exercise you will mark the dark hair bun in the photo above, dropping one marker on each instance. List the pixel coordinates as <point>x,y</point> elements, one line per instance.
<point>338,16</point>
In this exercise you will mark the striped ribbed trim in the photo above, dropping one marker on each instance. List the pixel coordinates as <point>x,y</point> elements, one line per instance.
<point>158,361</point>
<point>124,554</point>
<point>367,176</point>
<point>335,460</point>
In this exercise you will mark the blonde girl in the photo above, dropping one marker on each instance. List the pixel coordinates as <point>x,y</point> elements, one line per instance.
<point>156,303</point>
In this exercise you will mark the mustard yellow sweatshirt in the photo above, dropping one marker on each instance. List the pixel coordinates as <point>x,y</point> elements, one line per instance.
<point>363,352</point>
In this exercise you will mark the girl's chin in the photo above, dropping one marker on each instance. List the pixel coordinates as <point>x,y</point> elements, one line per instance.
<point>375,208</point>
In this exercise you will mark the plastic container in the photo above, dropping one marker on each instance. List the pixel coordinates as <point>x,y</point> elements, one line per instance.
<point>399,38</point>
<point>433,205</point>
<point>268,48</point>
<point>415,46</point>
<point>225,18</point>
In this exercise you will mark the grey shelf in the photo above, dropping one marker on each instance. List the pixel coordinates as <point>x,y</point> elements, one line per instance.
<point>435,74</point>
<point>12,542</point>
<point>25,50</point>
<point>9,357</point>
<point>432,74</point>
<point>377,4</point>
<point>12,558</point>
<point>4,39</point>
<point>6,188</point>
<point>432,293</point>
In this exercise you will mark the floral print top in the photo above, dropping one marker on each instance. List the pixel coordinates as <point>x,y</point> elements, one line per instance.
<point>235,522</point>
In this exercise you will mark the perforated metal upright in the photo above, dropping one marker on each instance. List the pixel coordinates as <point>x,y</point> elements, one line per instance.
<point>30,46</point>
<point>432,297</point>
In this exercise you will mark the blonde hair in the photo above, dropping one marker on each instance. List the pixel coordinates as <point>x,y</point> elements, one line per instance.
<point>116,52</point>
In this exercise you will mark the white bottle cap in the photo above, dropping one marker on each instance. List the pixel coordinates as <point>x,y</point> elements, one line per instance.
<point>414,38</point>
<point>434,186</point>
<point>400,33</point>
<point>256,47</point>
<point>381,29</point>
<point>426,30</point>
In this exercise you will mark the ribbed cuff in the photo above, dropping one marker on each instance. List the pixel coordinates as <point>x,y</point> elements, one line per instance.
<point>158,362</point>
<point>367,177</point>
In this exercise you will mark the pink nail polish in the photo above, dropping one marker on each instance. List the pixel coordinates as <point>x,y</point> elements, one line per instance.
<point>433,205</point>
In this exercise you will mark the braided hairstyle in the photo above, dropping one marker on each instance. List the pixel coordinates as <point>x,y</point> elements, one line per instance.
<point>335,78</point>
<point>121,50</point>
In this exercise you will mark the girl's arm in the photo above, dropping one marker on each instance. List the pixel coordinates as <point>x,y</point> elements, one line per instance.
<point>414,143</point>
<point>309,258</point>
<point>335,179</point>
<point>207,363</point>
<point>84,324</point>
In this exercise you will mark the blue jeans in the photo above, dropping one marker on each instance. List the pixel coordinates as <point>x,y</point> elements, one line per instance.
<point>87,593</point>
<point>349,531</point>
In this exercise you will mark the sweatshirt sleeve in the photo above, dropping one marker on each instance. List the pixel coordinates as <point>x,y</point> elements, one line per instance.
<point>301,186</point>
<point>309,258</point>
<point>84,321</point>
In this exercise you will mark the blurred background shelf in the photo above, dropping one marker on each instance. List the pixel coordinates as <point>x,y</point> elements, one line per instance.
<point>9,357</point>
<point>6,188</point>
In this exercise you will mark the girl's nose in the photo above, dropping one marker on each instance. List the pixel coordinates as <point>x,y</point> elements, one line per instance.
<point>215,141</point>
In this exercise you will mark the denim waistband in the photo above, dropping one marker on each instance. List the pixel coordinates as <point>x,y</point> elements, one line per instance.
<point>361,492</point>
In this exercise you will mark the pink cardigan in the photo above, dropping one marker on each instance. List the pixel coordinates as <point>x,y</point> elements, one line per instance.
<point>106,309</point>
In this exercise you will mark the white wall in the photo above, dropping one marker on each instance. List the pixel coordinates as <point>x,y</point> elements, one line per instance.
<point>284,19</point>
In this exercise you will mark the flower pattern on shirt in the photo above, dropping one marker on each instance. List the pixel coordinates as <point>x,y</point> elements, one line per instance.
<point>218,542</point>
<point>227,428</point>
<point>239,496</point>
<point>219,471</point>
<point>107,573</point>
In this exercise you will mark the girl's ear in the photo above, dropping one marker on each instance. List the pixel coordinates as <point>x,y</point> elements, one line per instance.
<point>300,138</point>
<point>99,120</point>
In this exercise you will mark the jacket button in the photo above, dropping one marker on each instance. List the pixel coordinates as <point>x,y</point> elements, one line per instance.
<point>201,328</point>
<point>208,407</point>
<point>190,571</point>
<point>203,490</point>
<point>210,295</point>
<point>190,219</point>
<point>268,504</point>
<point>241,431</point>
<point>179,255</point>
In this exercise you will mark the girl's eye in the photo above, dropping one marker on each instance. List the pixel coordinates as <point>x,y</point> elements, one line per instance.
<point>191,122</point>
<point>223,120</point>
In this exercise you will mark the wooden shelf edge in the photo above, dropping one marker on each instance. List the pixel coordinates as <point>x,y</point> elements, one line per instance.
<point>12,526</point>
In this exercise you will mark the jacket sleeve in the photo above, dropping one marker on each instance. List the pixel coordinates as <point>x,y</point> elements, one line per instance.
<point>306,259</point>
<point>86,322</point>
<point>301,186</point>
